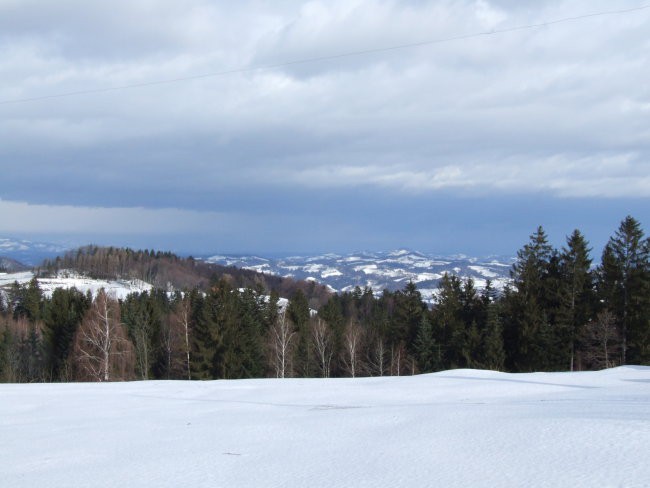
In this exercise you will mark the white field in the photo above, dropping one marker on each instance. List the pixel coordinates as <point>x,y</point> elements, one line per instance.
<point>65,279</point>
<point>461,428</point>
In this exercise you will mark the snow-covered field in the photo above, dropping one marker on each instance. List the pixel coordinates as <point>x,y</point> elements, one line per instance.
<point>115,288</point>
<point>460,428</point>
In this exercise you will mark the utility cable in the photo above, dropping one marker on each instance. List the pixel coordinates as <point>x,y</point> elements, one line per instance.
<point>327,58</point>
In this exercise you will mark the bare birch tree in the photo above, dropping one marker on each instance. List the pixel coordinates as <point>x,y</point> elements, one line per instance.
<point>352,345</point>
<point>282,335</point>
<point>377,356</point>
<point>102,351</point>
<point>323,346</point>
<point>398,359</point>
<point>603,341</point>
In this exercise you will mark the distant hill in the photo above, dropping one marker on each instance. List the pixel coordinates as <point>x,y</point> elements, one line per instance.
<point>378,270</point>
<point>9,265</point>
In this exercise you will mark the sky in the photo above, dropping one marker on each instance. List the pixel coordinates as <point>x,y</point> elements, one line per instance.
<point>442,126</point>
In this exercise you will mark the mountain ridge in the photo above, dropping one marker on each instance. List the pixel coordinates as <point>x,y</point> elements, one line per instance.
<point>378,270</point>
<point>10,265</point>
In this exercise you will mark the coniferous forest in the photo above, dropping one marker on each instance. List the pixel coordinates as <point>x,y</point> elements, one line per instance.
<point>562,311</point>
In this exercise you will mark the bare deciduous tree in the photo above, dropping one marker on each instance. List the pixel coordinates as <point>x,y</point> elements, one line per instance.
<point>180,328</point>
<point>323,346</point>
<point>352,343</point>
<point>102,351</point>
<point>603,341</point>
<point>377,356</point>
<point>282,334</point>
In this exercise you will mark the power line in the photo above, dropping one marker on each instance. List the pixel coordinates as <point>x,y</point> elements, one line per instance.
<point>329,57</point>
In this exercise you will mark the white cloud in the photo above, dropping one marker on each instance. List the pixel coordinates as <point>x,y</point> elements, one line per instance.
<point>619,176</point>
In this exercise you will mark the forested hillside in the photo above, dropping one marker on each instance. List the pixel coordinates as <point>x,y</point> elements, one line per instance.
<point>561,312</point>
<point>168,271</point>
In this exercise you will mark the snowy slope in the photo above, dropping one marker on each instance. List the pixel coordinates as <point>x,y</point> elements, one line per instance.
<point>454,429</point>
<point>115,288</point>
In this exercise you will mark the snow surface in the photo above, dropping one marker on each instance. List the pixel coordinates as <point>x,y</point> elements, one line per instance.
<point>457,428</point>
<point>484,271</point>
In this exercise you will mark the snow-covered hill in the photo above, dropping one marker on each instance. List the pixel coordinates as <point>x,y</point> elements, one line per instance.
<point>379,270</point>
<point>462,428</point>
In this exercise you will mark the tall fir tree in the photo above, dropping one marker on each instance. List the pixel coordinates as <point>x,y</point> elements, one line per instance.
<point>407,317</point>
<point>427,351</point>
<point>449,329</point>
<point>624,288</point>
<point>61,316</point>
<point>494,355</point>
<point>528,329</point>
<point>576,296</point>
<point>206,337</point>
<point>298,313</point>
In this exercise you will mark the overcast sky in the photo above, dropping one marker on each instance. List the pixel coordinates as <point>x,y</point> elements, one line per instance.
<point>465,145</point>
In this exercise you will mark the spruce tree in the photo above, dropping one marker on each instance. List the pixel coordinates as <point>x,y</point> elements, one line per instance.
<point>251,319</point>
<point>298,313</point>
<point>576,295</point>
<point>529,330</point>
<point>61,316</point>
<point>624,286</point>
<point>493,350</point>
<point>206,335</point>
<point>407,318</point>
<point>449,329</point>
<point>27,300</point>
<point>426,349</point>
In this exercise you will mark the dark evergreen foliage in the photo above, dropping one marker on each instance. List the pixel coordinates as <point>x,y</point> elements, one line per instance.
<point>624,284</point>
<point>62,315</point>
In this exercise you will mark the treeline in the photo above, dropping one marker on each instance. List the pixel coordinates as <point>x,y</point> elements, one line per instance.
<point>561,312</point>
<point>71,336</point>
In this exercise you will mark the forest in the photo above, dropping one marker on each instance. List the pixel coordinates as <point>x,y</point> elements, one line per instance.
<point>561,312</point>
